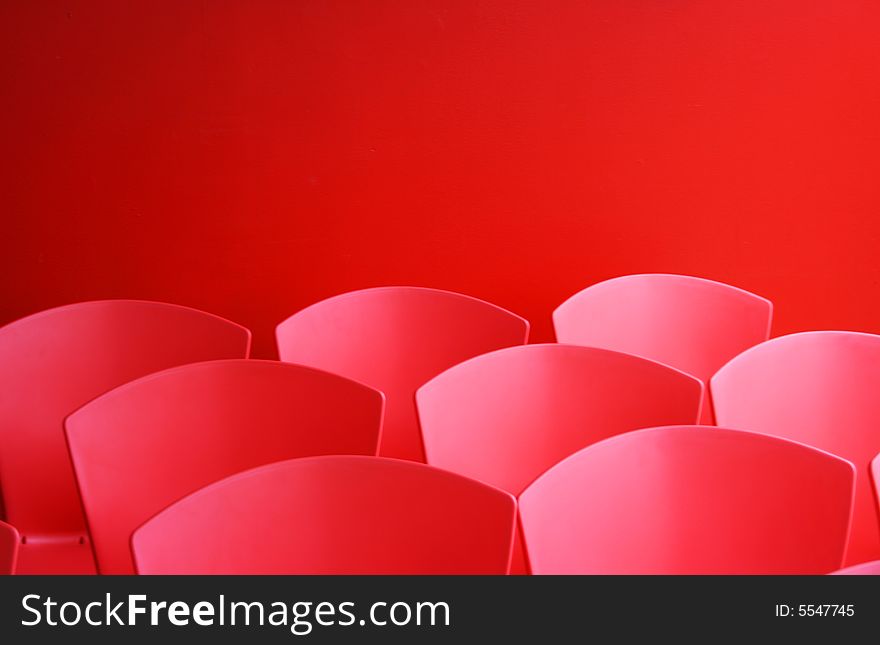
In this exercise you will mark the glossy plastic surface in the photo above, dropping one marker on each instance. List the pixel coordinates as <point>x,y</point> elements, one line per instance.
<point>9,541</point>
<point>395,339</point>
<point>820,388</point>
<point>57,360</point>
<point>146,444</point>
<point>507,416</point>
<point>333,515</point>
<point>690,500</point>
<point>864,569</point>
<point>692,324</point>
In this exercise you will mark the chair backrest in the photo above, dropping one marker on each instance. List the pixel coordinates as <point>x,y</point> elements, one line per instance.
<point>692,324</point>
<point>864,569</point>
<point>333,515</point>
<point>148,443</point>
<point>690,500</point>
<point>507,416</point>
<point>395,339</point>
<point>9,541</point>
<point>54,361</point>
<point>821,388</point>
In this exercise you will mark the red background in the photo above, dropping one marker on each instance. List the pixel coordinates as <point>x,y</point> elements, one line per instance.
<point>249,158</point>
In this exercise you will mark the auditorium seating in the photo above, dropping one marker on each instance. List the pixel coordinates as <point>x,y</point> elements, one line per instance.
<point>395,339</point>
<point>820,388</point>
<point>507,416</point>
<point>408,430</point>
<point>51,363</point>
<point>146,444</point>
<point>693,324</point>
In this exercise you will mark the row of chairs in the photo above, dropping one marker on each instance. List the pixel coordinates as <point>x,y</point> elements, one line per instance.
<point>653,501</point>
<point>503,417</point>
<point>661,500</point>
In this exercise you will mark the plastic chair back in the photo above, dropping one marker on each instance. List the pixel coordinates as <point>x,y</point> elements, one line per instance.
<point>333,515</point>
<point>55,361</point>
<point>820,388</point>
<point>395,339</point>
<point>690,500</point>
<point>692,324</point>
<point>148,443</point>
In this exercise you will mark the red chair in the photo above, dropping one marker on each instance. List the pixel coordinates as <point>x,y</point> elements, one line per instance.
<point>864,569</point>
<point>333,515</point>
<point>507,416</point>
<point>53,362</point>
<point>820,388</point>
<point>395,339</point>
<point>690,500</point>
<point>146,444</point>
<point>9,544</point>
<point>692,324</point>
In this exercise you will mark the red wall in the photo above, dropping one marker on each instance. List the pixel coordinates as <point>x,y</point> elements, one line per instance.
<point>249,158</point>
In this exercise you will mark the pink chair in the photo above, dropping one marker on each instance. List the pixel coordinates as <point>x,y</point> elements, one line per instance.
<point>395,339</point>
<point>333,515</point>
<point>820,388</point>
<point>148,443</point>
<point>690,500</point>
<point>692,324</point>
<point>9,545</point>
<point>864,569</point>
<point>52,363</point>
<point>507,416</point>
